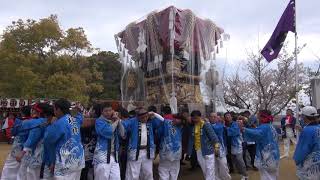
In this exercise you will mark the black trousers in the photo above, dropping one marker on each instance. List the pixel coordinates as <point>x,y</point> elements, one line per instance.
<point>123,165</point>
<point>85,171</point>
<point>229,161</point>
<point>194,159</point>
<point>251,148</point>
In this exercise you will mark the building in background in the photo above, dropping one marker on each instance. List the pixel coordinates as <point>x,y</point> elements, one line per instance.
<point>315,91</point>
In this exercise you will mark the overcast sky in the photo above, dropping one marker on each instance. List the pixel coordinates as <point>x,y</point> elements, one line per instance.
<point>249,22</point>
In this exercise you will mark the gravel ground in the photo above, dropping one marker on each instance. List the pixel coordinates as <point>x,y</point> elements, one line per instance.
<point>4,149</point>
<point>287,168</point>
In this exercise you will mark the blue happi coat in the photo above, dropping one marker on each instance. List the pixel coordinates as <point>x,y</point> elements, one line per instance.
<point>131,130</point>
<point>105,132</point>
<point>207,139</point>
<point>62,142</point>
<point>267,149</point>
<point>219,130</point>
<point>236,139</point>
<point>170,141</point>
<point>34,142</point>
<point>307,153</point>
<point>252,121</point>
<point>20,136</point>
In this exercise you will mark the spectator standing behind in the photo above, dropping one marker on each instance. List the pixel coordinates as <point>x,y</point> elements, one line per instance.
<point>4,124</point>
<point>89,141</point>
<point>227,122</point>
<point>156,138</point>
<point>167,113</point>
<point>10,122</point>
<point>288,124</point>
<point>1,124</point>
<point>1,131</point>
<point>250,146</point>
<point>123,115</point>
<point>186,131</point>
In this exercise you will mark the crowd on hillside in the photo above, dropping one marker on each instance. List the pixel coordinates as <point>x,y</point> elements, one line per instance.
<point>60,142</point>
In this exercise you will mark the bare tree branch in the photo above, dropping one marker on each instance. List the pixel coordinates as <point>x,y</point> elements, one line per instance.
<point>267,86</point>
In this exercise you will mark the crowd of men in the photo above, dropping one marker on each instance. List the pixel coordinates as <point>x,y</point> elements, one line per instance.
<point>51,142</point>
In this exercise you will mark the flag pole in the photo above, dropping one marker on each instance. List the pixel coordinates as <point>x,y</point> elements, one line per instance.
<point>296,61</point>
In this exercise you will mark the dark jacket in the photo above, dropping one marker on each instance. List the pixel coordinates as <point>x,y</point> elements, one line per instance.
<point>207,139</point>
<point>283,126</point>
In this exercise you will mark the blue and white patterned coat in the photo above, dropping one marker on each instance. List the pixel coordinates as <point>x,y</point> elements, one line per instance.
<point>20,136</point>
<point>236,139</point>
<point>105,132</point>
<point>131,128</point>
<point>62,142</point>
<point>34,142</point>
<point>219,130</point>
<point>307,153</point>
<point>170,141</point>
<point>267,152</point>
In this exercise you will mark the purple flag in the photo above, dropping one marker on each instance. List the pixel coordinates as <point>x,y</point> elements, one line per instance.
<point>286,24</point>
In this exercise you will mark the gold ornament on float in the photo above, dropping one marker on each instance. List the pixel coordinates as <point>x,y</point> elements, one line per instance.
<point>132,80</point>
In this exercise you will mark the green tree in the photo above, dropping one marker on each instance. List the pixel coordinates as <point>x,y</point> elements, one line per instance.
<point>40,60</point>
<point>70,86</point>
<point>108,64</point>
<point>16,72</point>
<point>32,37</point>
<point>76,41</point>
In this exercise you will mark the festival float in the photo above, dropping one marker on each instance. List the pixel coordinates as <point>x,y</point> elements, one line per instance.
<point>164,57</point>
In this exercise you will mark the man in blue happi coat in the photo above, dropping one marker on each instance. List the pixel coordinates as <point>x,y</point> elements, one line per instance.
<point>62,142</point>
<point>267,151</point>
<point>170,136</point>
<point>105,159</point>
<point>307,153</point>
<point>206,144</point>
<point>141,147</point>
<point>11,165</point>
<point>234,139</point>
<point>221,165</point>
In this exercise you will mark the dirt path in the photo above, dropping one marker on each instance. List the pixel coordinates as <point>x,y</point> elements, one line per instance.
<point>4,149</point>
